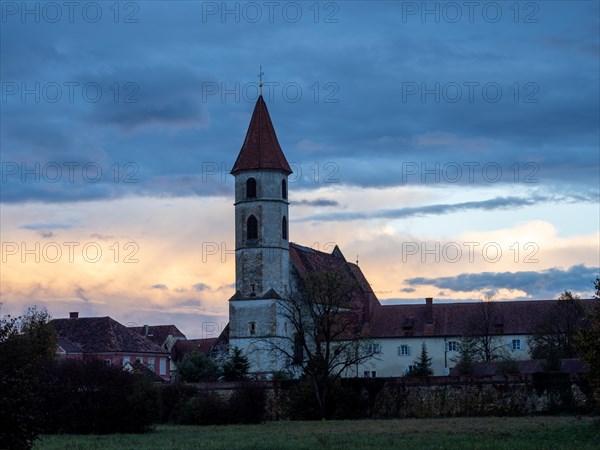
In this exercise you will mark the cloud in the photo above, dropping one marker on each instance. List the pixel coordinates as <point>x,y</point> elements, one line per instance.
<point>548,282</point>
<point>47,226</point>
<point>311,146</point>
<point>316,202</point>
<point>80,293</point>
<point>159,286</point>
<point>200,287</point>
<point>488,205</point>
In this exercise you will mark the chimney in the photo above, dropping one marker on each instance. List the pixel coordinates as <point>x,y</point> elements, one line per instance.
<point>74,315</point>
<point>429,310</point>
<point>145,330</point>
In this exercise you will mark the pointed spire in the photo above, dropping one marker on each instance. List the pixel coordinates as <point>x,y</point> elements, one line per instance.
<point>261,149</point>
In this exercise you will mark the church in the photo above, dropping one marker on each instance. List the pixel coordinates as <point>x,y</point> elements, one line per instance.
<point>268,266</point>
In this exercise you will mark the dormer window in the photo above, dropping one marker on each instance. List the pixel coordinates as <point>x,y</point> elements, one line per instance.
<point>283,189</point>
<point>252,228</point>
<point>250,188</point>
<point>284,228</point>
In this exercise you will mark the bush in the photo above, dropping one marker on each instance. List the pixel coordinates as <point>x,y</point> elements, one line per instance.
<point>84,397</point>
<point>247,404</point>
<point>205,408</point>
<point>173,397</point>
<point>195,367</point>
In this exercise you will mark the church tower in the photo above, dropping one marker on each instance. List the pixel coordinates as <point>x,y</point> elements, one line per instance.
<point>262,260</point>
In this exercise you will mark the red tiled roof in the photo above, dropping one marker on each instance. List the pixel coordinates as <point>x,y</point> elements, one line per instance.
<point>307,260</point>
<point>183,347</point>
<point>68,346</point>
<point>452,319</point>
<point>159,333</point>
<point>102,335</point>
<point>261,149</point>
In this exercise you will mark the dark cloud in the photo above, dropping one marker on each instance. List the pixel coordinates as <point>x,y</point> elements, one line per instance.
<point>541,284</point>
<point>193,302</point>
<point>355,111</point>
<point>80,293</point>
<point>47,226</point>
<point>200,287</point>
<point>159,286</point>
<point>401,213</point>
<point>316,202</point>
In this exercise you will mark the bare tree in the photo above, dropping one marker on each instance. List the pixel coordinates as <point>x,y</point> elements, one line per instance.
<point>326,323</point>
<point>482,335</point>
<point>555,336</point>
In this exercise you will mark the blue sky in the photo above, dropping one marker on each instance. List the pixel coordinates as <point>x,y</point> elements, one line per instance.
<point>414,130</point>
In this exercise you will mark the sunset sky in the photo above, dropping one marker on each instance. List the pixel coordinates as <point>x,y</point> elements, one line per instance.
<point>452,150</point>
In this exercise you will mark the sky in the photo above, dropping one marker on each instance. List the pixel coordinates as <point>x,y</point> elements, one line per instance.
<point>451,148</point>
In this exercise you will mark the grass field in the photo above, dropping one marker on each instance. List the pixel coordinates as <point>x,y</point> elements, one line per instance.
<point>510,433</point>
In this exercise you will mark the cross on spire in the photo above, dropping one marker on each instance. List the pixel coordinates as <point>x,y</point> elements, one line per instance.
<point>260,84</point>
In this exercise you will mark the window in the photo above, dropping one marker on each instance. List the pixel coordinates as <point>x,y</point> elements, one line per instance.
<point>516,344</point>
<point>374,348</point>
<point>151,364</point>
<point>252,328</point>
<point>163,366</point>
<point>367,374</point>
<point>452,346</point>
<point>404,350</point>
<point>252,228</point>
<point>250,188</point>
<point>283,189</point>
<point>107,362</point>
<point>126,359</point>
<point>373,374</point>
<point>408,369</point>
<point>139,359</point>
<point>284,228</point>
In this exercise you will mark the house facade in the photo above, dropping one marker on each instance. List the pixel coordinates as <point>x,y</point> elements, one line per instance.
<point>108,340</point>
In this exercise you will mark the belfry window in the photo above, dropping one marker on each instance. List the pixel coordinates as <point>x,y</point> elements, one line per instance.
<point>283,189</point>
<point>284,230</point>
<point>250,188</point>
<point>252,228</point>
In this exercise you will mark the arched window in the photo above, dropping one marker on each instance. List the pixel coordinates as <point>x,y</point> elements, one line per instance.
<point>252,228</point>
<point>284,230</point>
<point>250,188</point>
<point>283,189</point>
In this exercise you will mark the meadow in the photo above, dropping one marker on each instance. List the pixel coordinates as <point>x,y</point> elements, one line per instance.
<point>498,433</point>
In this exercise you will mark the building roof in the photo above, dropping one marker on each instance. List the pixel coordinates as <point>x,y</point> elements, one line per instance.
<point>261,149</point>
<point>454,319</point>
<point>159,333</point>
<point>307,260</point>
<point>103,335</point>
<point>67,346</point>
<point>183,347</point>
